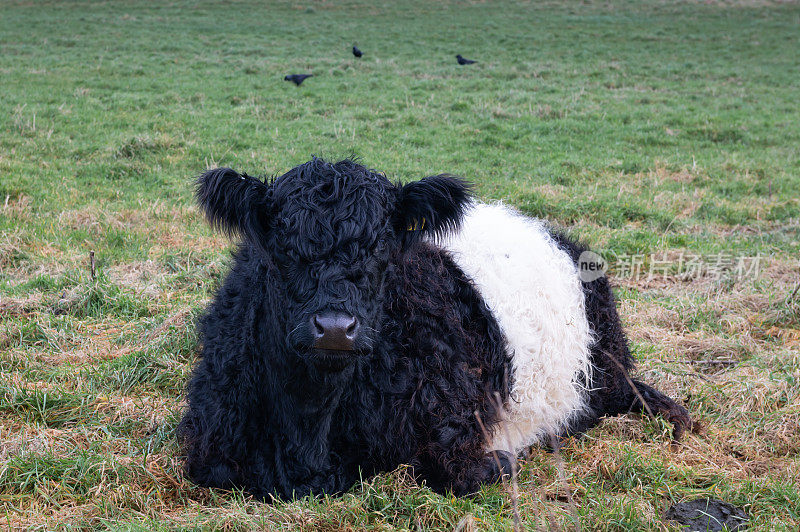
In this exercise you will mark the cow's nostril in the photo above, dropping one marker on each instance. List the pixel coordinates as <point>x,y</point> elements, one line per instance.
<point>352,328</point>
<point>319,330</point>
<point>334,331</point>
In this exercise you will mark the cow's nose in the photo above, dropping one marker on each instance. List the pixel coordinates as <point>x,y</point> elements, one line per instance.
<point>334,330</point>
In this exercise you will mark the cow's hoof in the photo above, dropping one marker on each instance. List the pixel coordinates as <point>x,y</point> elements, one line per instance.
<point>499,464</point>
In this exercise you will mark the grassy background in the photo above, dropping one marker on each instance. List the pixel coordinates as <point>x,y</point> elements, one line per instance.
<point>655,127</point>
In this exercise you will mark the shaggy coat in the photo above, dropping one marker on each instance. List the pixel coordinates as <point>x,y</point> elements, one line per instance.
<point>457,315</point>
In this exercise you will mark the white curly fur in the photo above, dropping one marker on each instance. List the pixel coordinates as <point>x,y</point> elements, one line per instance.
<point>533,289</point>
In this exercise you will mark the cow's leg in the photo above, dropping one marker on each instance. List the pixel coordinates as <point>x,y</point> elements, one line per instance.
<point>214,435</point>
<point>465,477</point>
<point>632,397</point>
<point>647,400</point>
<point>500,463</point>
<point>455,458</point>
<point>615,392</point>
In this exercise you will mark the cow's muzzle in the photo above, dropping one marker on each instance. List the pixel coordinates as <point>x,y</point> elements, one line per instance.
<point>334,331</point>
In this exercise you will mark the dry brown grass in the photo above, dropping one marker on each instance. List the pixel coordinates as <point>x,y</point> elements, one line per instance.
<point>20,306</point>
<point>18,208</point>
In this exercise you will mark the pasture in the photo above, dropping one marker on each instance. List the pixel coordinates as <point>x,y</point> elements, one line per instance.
<point>664,134</point>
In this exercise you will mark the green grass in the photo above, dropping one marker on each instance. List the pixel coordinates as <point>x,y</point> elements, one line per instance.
<point>645,128</point>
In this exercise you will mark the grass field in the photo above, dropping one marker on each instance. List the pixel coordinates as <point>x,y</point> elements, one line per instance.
<point>656,131</point>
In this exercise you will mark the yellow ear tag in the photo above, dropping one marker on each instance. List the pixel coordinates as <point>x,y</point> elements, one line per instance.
<point>414,226</point>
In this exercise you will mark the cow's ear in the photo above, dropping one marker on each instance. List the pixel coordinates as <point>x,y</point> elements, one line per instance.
<point>234,203</point>
<point>433,205</point>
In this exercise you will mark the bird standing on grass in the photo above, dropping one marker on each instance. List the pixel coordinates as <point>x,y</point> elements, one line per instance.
<point>462,61</point>
<point>297,79</point>
<point>357,52</point>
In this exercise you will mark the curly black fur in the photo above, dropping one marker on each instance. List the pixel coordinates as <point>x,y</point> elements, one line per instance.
<point>433,204</point>
<point>267,412</point>
<point>234,203</point>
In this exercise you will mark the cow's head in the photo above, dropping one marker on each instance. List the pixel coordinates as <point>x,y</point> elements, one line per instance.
<point>330,230</point>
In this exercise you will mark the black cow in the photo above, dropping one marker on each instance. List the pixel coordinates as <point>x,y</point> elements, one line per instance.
<point>366,324</point>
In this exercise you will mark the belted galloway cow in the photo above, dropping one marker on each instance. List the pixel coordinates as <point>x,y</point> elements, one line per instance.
<point>366,324</point>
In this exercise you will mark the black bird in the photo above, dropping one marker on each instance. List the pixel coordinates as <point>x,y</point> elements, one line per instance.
<point>462,61</point>
<point>297,79</point>
<point>357,52</point>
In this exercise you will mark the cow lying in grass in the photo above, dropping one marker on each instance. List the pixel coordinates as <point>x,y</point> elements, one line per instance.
<point>365,325</point>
